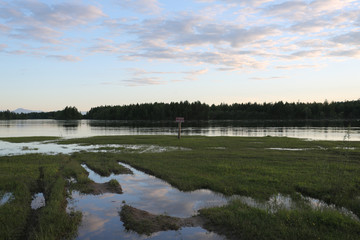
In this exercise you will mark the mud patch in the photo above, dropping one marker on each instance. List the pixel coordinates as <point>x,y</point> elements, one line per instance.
<point>143,222</point>
<point>108,187</point>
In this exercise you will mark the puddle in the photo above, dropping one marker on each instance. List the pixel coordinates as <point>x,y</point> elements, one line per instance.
<point>151,194</point>
<point>217,148</point>
<point>346,148</point>
<point>38,201</point>
<point>101,218</point>
<point>136,148</point>
<point>290,149</point>
<point>7,197</point>
<point>50,147</point>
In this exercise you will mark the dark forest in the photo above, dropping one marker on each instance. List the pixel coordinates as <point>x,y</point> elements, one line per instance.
<point>201,111</point>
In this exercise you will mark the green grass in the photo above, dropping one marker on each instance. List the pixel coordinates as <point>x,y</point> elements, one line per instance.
<point>113,183</point>
<point>239,221</point>
<point>102,163</point>
<point>28,139</point>
<point>28,174</point>
<point>246,166</point>
<point>229,165</point>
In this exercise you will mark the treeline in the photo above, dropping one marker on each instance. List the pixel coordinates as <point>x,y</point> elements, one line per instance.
<point>68,113</point>
<point>202,111</point>
<point>242,111</point>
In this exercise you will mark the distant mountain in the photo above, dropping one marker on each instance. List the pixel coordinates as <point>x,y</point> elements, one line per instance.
<point>22,110</point>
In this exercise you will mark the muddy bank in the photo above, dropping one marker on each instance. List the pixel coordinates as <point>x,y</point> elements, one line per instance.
<point>144,222</point>
<point>108,187</point>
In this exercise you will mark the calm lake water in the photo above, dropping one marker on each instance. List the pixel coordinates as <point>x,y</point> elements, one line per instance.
<point>86,128</point>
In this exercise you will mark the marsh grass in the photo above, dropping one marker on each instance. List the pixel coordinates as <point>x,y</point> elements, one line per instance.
<point>246,166</point>
<point>113,183</point>
<point>102,163</point>
<point>25,175</point>
<point>28,139</point>
<point>239,221</point>
<point>229,165</point>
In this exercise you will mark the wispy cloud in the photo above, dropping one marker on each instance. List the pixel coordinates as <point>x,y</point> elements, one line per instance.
<point>37,33</point>
<point>142,6</point>
<point>269,78</point>
<point>4,28</point>
<point>351,38</point>
<point>351,53</point>
<point>298,66</point>
<point>65,58</point>
<point>60,15</point>
<point>133,82</point>
<point>141,77</point>
<point>3,46</point>
<point>137,81</point>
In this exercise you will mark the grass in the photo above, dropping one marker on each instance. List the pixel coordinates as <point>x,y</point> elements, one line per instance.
<point>247,166</point>
<point>28,139</point>
<point>229,165</point>
<point>113,183</point>
<point>28,174</point>
<point>239,221</point>
<point>102,163</point>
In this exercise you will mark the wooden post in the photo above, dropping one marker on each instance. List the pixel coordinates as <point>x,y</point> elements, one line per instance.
<point>179,120</point>
<point>179,133</point>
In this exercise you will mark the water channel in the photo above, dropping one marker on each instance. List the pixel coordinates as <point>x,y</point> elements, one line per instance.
<point>101,218</point>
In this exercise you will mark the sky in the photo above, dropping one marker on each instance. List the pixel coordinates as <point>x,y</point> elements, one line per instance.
<point>86,54</point>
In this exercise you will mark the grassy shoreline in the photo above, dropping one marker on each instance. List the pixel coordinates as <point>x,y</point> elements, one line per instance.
<point>29,139</point>
<point>258,167</point>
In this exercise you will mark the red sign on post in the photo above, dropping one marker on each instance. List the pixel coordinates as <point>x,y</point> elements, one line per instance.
<point>180,119</point>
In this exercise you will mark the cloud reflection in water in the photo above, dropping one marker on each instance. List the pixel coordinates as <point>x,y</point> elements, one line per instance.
<point>147,193</point>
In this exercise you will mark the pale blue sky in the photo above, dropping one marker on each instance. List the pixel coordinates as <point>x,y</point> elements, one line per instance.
<point>113,52</point>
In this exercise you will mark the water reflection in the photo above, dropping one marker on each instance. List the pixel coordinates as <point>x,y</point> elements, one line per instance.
<point>51,147</point>
<point>101,219</point>
<point>322,130</point>
<point>70,126</point>
<point>151,194</point>
<point>38,201</point>
<point>7,197</point>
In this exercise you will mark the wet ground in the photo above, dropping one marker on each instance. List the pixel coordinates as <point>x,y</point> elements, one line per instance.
<point>142,191</point>
<point>101,218</point>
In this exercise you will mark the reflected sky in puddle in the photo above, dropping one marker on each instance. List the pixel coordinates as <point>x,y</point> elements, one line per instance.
<point>102,221</point>
<point>151,194</point>
<point>51,147</point>
<point>38,201</point>
<point>7,197</point>
<point>290,149</point>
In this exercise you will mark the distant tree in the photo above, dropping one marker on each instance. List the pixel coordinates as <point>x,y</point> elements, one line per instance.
<point>68,113</point>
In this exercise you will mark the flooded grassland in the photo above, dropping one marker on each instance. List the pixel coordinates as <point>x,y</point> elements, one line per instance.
<point>159,187</point>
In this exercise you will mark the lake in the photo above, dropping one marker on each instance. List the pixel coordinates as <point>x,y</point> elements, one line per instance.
<point>316,130</point>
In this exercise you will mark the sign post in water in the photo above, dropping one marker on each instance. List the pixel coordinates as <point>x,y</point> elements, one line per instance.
<point>179,120</point>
